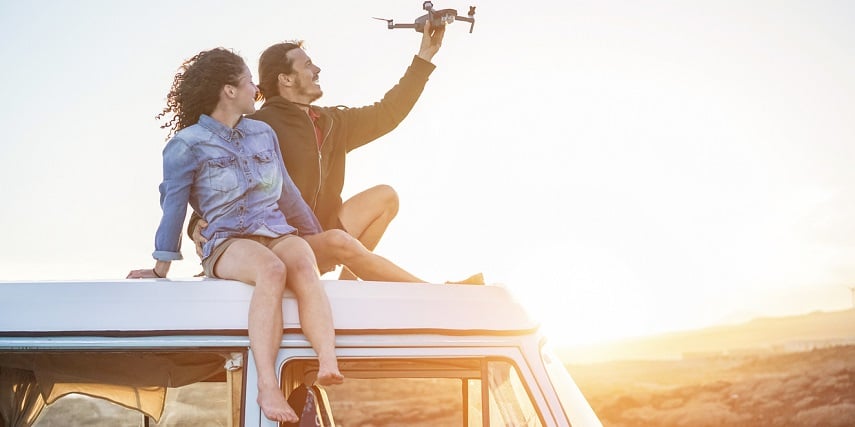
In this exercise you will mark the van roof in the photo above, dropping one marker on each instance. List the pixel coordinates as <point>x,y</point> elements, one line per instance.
<point>211,306</point>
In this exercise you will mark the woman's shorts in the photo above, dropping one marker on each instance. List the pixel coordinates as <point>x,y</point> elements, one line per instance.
<point>210,262</point>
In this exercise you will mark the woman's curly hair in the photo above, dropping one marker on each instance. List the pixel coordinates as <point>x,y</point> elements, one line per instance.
<point>196,87</point>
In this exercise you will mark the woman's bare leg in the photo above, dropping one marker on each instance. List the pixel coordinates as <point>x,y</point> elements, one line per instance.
<point>251,262</point>
<point>313,304</point>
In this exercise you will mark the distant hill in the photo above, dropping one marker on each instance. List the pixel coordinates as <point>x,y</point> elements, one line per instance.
<point>772,334</point>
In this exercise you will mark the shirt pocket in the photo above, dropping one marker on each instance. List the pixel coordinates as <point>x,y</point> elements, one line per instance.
<point>267,165</point>
<point>222,174</point>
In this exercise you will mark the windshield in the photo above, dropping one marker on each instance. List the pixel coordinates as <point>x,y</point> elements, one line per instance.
<point>573,403</point>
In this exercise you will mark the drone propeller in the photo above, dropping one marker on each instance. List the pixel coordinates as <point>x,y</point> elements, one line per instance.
<point>388,21</point>
<point>470,19</point>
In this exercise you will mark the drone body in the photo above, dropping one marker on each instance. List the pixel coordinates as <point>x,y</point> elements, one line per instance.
<point>438,18</point>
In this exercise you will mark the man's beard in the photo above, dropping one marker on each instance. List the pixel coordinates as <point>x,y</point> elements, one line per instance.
<point>311,92</point>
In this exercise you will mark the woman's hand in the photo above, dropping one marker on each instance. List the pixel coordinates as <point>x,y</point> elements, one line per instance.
<point>198,239</point>
<point>158,272</point>
<point>147,273</point>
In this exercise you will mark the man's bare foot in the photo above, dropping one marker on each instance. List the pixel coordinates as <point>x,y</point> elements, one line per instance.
<point>274,405</point>
<point>475,279</point>
<point>329,376</point>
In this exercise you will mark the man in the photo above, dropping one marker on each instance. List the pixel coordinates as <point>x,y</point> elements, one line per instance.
<point>315,140</point>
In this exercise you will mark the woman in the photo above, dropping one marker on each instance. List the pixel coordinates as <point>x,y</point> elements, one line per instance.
<point>230,170</point>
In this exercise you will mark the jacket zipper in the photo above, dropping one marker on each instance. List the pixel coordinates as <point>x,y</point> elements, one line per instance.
<point>320,162</point>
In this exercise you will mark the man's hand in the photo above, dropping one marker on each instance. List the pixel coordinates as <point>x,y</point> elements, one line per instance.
<point>198,239</point>
<point>431,41</point>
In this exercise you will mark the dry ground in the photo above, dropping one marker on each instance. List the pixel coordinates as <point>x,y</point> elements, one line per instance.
<point>815,388</point>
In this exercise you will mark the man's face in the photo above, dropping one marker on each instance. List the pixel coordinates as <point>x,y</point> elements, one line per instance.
<point>305,88</point>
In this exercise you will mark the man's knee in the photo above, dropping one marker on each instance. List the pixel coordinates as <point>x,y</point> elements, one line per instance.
<point>339,240</point>
<point>343,245</point>
<point>389,198</point>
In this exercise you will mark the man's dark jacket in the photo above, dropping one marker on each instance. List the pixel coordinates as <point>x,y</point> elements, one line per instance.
<point>319,172</point>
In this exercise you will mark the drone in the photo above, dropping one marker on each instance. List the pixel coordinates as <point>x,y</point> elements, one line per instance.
<point>438,18</point>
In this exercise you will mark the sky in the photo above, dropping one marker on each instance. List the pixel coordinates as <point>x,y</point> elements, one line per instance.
<point>624,168</point>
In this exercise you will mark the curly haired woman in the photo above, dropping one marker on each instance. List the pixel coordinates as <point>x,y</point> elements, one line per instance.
<point>230,170</point>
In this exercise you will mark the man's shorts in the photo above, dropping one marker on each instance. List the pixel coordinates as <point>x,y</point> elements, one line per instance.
<point>210,262</point>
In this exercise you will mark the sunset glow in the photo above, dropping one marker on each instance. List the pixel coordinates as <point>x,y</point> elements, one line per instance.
<point>623,168</point>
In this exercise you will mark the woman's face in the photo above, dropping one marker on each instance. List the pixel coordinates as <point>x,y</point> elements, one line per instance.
<point>247,92</point>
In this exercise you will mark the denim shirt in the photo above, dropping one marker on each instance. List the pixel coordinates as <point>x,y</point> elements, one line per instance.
<point>235,179</point>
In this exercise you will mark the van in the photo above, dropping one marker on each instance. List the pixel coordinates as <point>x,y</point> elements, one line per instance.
<point>166,352</point>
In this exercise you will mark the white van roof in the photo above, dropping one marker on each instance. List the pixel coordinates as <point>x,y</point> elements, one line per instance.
<point>211,306</point>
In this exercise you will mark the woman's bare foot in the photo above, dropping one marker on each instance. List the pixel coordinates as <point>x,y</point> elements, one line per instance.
<point>329,375</point>
<point>274,405</point>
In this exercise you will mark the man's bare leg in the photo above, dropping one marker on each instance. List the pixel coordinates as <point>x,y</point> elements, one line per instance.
<point>312,302</point>
<point>366,216</point>
<point>333,247</point>
<point>251,262</point>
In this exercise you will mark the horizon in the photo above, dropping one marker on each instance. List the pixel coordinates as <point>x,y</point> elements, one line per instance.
<point>624,169</point>
<point>758,336</point>
<point>716,326</point>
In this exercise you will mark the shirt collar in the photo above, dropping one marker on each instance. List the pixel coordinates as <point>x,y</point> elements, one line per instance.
<point>280,102</point>
<point>221,130</point>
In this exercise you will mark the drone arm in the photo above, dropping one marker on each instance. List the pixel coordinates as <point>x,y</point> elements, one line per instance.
<point>402,26</point>
<point>470,20</point>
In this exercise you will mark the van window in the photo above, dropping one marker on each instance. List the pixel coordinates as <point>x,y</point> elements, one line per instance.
<point>70,388</point>
<point>415,392</point>
<point>200,404</point>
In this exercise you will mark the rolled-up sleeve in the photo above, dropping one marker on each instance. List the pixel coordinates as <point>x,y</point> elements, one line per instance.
<point>179,169</point>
